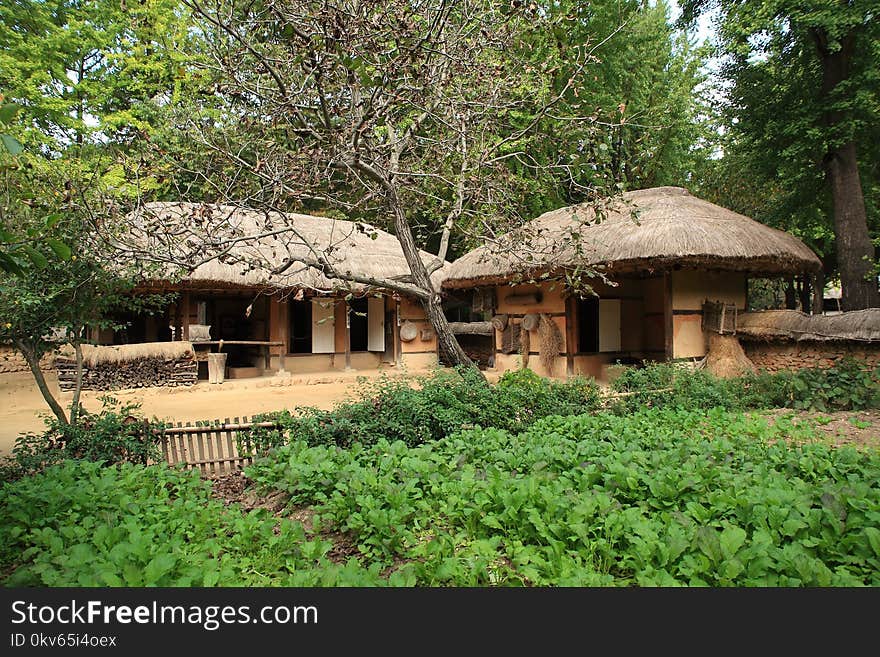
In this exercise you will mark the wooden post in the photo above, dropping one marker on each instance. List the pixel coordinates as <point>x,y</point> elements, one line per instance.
<point>279,324</point>
<point>175,323</point>
<point>184,330</point>
<point>398,347</point>
<point>668,324</point>
<point>570,335</point>
<point>818,292</point>
<point>347,335</point>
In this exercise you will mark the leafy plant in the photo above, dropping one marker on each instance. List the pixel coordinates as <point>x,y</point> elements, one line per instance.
<point>430,408</point>
<point>117,434</point>
<point>659,497</point>
<point>80,524</point>
<point>848,385</point>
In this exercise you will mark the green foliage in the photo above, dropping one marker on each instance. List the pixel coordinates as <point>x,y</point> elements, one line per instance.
<point>87,71</point>
<point>782,121</point>
<point>643,90</point>
<point>660,497</point>
<point>849,385</point>
<point>81,524</point>
<point>438,405</point>
<point>117,434</point>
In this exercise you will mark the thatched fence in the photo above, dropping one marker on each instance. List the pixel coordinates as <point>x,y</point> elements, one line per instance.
<point>788,339</point>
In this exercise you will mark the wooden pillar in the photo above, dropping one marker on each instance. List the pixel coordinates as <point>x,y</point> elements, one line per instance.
<point>279,323</point>
<point>184,327</point>
<point>570,335</point>
<point>668,323</point>
<point>398,347</point>
<point>175,321</point>
<point>347,335</point>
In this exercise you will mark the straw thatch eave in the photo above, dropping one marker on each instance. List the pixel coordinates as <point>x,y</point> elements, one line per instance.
<point>353,250</point>
<point>785,325</point>
<point>645,232</point>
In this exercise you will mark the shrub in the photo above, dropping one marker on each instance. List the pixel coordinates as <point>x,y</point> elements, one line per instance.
<point>117,434</point>
<point>849,385</point>
<point>436,406</point>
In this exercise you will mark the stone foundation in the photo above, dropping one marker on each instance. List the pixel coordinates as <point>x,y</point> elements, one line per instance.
<point>775,356</point>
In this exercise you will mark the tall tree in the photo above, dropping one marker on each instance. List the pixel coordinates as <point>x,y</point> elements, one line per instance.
<point>802,102</point>
<point>95,71</point>
<point>389,111</point>
<point>55,294</point>
<point>87,82</point>
<point>644,88</point>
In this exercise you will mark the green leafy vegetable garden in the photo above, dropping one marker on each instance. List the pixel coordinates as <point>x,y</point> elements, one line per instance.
<point>658,497</point>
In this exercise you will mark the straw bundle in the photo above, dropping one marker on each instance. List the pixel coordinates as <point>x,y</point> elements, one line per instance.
<point>530,321</point>
<point>525,345</point>
<point>726,358</point>
<point>114,355</point>
<point>551,342</point>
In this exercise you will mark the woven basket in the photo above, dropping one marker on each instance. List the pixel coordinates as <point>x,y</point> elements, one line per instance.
<point>408,331</point>
<point>499,322</point>
<point>530,322</point>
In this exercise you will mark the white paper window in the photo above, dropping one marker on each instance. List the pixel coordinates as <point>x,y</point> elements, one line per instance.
<point>376,324</point>
<point>323,328</point>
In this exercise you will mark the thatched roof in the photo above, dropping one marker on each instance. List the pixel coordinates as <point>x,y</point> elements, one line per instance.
<point>352,249</point>
<point>645,231</point>
<point>856,325</point>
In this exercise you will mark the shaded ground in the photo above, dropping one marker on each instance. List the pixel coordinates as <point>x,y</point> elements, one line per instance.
<point>22,407</point>
<point>861,429</point>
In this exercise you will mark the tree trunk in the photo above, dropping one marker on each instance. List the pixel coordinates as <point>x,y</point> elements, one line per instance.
<point>818,292</point>
<point>74,404</point>
<point>446,341</point>
<point>790,295</point>
<point>855,252</point>
<point>805,293</point>
<point>34,363</point>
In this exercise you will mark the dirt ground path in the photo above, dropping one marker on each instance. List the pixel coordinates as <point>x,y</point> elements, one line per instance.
<point>22,407</point>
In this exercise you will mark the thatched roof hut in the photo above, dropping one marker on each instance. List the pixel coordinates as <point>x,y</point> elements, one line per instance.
<point>770,325</point>
<point>266,240</point>
<point>645,231</point>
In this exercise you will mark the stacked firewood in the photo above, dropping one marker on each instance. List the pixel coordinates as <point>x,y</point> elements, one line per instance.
<point>139,373</point>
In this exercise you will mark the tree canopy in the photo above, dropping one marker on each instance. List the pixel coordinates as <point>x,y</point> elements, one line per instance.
<point>800,126</point>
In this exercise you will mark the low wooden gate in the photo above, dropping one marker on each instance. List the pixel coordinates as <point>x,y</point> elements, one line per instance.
<point>212,447</point>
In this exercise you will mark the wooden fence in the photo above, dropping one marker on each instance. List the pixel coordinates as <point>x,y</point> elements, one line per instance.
<point>212,447</point>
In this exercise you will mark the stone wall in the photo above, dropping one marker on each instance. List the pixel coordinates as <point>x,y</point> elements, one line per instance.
<point>12,361</point>
<point>775,356</point>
